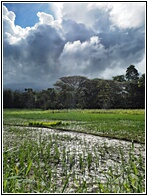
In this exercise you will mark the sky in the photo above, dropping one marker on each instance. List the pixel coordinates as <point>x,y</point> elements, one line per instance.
<point>45,41</point>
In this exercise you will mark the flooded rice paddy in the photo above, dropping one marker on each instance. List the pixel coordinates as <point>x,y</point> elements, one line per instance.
<point>71,162</point>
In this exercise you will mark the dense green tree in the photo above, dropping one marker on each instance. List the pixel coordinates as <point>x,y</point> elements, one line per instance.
<point>29,97</point>
<point>141,81</point>
<point>46,99</point>
<point>141,91</point>
<point>135,88</point>
<point>80,92</point>
<point>132,74</point>
<point>7,98</point>
<point>88,95</point>
<point>68,88</point>
<point>18,101</point>
<point>110,94</point>
<point>120,78</point>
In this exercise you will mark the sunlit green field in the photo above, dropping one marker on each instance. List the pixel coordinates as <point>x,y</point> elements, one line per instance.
<point>122,124</point>
<point>37,159</point>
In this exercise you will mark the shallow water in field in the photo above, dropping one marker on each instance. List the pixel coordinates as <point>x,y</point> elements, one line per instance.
<point>100,155</point>
<point>92,140</point>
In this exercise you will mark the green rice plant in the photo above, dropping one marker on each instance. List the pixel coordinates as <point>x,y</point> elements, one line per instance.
<point>35,162</point>
<point>122,124</point>
<point>101,188</point>
<point>89,161</point>
<point>64,157</point>
<point>71,161</point>
<point>82,188</point>
<point>29,166</point>
<point>80,162</point>
<point>65,183</point>
<point>57,153</point>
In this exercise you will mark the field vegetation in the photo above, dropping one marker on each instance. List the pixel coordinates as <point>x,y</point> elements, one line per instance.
<point>121,124</point>
<point>60,151</point>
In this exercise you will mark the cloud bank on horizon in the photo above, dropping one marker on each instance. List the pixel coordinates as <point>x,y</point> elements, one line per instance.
<point>96,40</point>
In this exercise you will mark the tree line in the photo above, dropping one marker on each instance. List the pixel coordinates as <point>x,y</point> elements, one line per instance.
<point>123,91</point>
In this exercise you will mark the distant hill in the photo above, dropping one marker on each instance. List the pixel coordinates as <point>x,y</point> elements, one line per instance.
<point>22,86</point>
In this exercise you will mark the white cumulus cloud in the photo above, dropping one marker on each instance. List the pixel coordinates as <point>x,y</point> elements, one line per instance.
<point>45,18</point>
<point>128,15</point>
<point>79,57</point>
<point>12,33</point>
<point>99,39</point>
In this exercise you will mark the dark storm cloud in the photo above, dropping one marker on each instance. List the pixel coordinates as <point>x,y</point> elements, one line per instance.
<point>115,48</point>
<point>76,31</point>
<point>44,48</point>
<point>41,54</point>
<point>131,38</point>
<point>34,58</point>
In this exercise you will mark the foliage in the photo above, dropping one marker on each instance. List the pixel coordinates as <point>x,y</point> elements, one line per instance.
<point>132,73</point>
<point>120,78</point>
<point>79,92</point>
<point>7,98</point>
